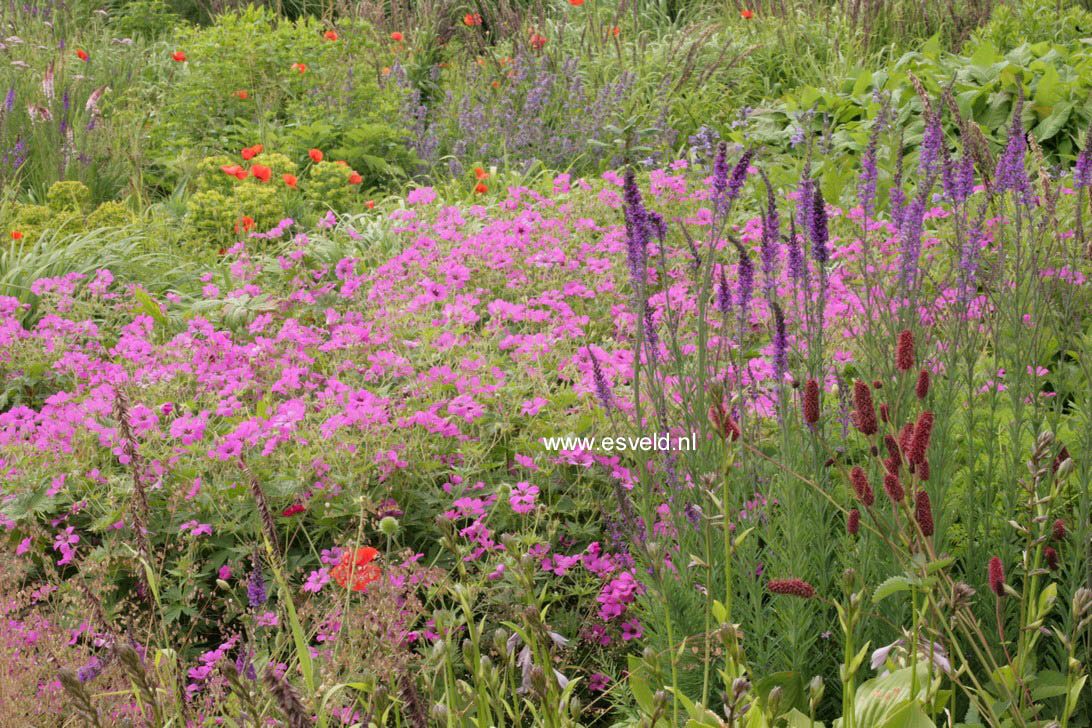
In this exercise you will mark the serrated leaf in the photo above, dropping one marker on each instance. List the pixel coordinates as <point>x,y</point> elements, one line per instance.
<point>891,585</point>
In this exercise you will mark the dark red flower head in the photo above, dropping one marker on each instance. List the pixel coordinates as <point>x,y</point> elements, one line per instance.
<point>861,487</point>
<point>853,522</point>
<point>791,587</point>
<point>1057,531</point>
<point>866,412</point>
<point>997,577</point>
<point>921,389</point>
<point>904,351</point>
<point>811,402</point>
<point>293,510</point>
<point>923,512</point>
<point>893,487</point>
<point>923,430</point>
<point>1051,557</point>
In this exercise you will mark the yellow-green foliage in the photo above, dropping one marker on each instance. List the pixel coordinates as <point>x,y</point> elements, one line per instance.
<point>33,220</point>
<point>222,200</point>
<point>109,214</point>
<point>68,197</point>
<point>328,187</point>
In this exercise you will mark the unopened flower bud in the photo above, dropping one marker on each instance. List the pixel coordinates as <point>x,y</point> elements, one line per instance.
<point>815,692</point>
<point>773,701</point>
<point>388,526</point>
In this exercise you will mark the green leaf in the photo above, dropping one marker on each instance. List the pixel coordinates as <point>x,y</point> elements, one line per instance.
<point>795,719</point>
<point>149,306</point>
<point>1054,123</point>
<point>890,586</point>
<point>792,689</point>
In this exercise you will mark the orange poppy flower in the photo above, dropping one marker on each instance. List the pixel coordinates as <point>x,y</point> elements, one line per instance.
<point>472,20</point>
<point>342,162</point>
<point>82,55</point>
<point>537,41</point>
<point>290,180</point>
<point>261,172</point>
<point>396,37</point>
<point>16,235</point>
<point>481,61</point>
<point>746,14</point>
<point>369,204</point>
<point>241,94</point>
<point>249,153</point>
<point>356,570</point>
<point>330,35</point>
<point>316,155</point>
<point>496,84</point>
<point>480,188</point>
<point>576,3</point>
<point>386,70</point>
<point>480,173</point>
<point>615,31</point>
<point>247,224</point>
<point>178,56</point>
<point>355,178</point>
<point>298,67</point>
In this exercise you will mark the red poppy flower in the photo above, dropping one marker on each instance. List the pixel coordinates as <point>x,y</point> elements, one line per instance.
<point>386,70</point>
<point>746,14</point>
<point>369,204</point>
<point>330,35</point>
<point>179,56</point>
<point>234,169</point>
<point>396,37</point>
<point>293,510</point>
<point>290,180</point>
<point>480,188</point>
<point>537,41</point>
<point>472,20</point>
<point>615,31</point>
<point>82,55</point>
<point>316,155</point>
<point>16,235</point>
<point>261,172</point>
<point>248,222</point>
<point>298,67</point>
<point>576,3</point>
<point>355,178</point>
<point>356,570</point>
<point>480,173</point>
<point>241,94</point>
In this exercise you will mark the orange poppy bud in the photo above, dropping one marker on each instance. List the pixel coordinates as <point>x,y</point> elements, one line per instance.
<point>369,204</point>
<point>396,37</point>
<point>342,162</point>
<point>298,67</point>
<point>316,155</point>
<point>257,148</point>
<point>480,188</point>
<point>496,84</point>
<point>330,35</point>
<point>615,31</point>
<point>241,94</point>
<point>178,56</point>
<point>16,235</point>
<point>355,178</point>
<point>290,180</point>
<point>480,173</point>
<point>746,14</point>
<point>261,172</point>
<point>82,55</point>
<point>386,70</point>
